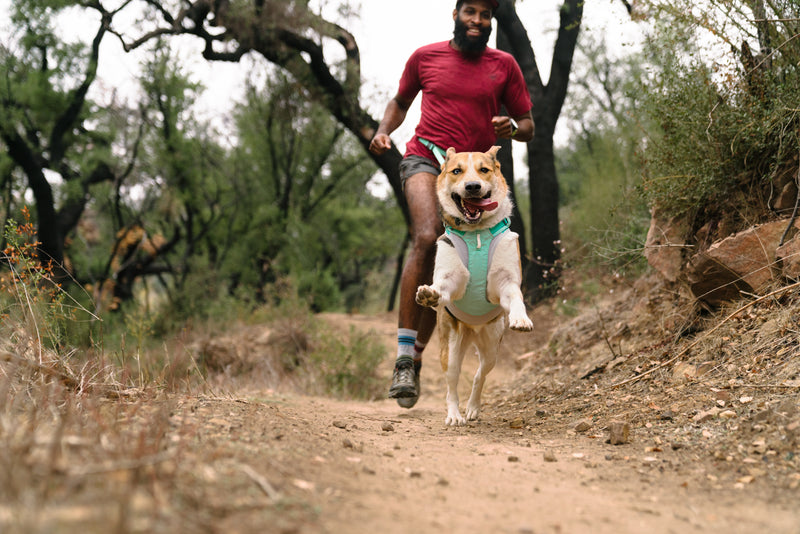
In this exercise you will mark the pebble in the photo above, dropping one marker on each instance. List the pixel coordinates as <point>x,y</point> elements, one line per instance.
<point>517,422</point>
<point>705,416</point>
<point>339,424</point>
<point>549,456</point>
<point>386,426</point>
<point>618,432</point>
<point>582,426</point>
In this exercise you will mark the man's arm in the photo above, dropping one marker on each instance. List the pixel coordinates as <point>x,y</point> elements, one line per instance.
<point>503,128</point>
<point>393,117</point>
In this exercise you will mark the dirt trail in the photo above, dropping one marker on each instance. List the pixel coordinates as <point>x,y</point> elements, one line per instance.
<point>306,465</point>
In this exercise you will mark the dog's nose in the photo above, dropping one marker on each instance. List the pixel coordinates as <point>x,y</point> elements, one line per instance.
<point>473,187</point>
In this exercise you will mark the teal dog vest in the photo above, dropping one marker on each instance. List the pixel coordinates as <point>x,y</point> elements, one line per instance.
<point>475,248</point>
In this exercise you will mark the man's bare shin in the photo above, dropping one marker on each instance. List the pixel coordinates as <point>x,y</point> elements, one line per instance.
<point>418,270</point>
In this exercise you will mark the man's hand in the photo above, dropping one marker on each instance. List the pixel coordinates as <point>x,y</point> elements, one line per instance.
<point>380,144</point>
<point>502,127</point>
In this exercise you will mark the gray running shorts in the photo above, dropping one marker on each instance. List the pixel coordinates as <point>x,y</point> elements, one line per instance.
<point>415,164</point>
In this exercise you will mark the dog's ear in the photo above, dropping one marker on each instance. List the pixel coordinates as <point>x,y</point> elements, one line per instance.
<point>493,151</point>
<point>449,154</point>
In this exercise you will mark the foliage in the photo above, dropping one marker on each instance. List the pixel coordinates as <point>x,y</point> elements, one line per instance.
<point>29,295</point>
<point>348,367</point>
<point>303,178</point>
<point>48,126</point>
<point>604,217</point>
<point>723,132</point>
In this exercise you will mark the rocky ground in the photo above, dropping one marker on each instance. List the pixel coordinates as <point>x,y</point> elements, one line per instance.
<point>640,413</point>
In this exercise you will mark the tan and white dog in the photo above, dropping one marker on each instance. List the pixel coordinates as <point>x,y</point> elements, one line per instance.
<point>477,274</point>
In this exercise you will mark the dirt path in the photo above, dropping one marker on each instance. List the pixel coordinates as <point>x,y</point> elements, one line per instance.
<point>306,465</point>
<point>235,457</point>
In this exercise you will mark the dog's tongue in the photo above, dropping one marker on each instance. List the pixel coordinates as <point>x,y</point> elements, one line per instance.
<point>485,204</point>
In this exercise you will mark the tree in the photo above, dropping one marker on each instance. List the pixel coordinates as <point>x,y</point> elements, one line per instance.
<point>289,35</point>
<point>46,126</point>
<point>304,177</point>
<point>547,103</point>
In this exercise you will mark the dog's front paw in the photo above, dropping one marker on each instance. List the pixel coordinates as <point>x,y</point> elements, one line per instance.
<point>520,324</point>
<point>427,296</point>
<point>454,417</point>
<point>473,411</point>
<point>455,420</point>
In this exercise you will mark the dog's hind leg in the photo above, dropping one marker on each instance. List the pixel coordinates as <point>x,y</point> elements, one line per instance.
<point>486,341</point>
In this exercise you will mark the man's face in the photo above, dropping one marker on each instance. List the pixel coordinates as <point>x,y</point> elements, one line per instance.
<point>473,25</point>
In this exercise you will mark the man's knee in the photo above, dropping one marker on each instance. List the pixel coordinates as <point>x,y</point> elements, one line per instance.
<point>424,239</point>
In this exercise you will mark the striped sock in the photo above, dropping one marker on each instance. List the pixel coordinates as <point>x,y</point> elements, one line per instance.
<point>405,344</point>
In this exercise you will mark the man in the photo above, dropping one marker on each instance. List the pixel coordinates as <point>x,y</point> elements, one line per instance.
<point>463,84</point>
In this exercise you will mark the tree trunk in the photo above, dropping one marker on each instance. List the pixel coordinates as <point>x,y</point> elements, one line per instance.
<point>542,273</point>
<point>506,158</point>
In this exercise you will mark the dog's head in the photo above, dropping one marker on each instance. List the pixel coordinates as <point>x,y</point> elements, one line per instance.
<point>472,191</point>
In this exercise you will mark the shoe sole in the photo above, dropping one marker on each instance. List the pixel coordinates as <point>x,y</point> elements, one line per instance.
<point>402,392</point>
<point>407,402</point>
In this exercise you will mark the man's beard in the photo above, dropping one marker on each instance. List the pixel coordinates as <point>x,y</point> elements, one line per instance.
<point>464,43</point>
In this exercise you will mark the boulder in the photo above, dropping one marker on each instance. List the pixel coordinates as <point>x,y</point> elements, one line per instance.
<point>745,261</point>
<point>665,244</point>
<point>788,256</point>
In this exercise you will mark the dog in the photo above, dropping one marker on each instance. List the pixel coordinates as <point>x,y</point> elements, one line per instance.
<point>477,272</point>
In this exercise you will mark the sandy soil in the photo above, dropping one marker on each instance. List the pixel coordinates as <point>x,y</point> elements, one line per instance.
<point>321,465</point>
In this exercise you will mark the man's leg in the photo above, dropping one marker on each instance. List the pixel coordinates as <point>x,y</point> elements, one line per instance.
<point>415,322</point>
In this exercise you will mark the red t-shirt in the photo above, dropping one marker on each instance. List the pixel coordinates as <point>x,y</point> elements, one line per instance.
<point>460,96</point>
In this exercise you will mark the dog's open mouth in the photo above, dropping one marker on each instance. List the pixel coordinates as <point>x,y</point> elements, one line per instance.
<point>472,208</point>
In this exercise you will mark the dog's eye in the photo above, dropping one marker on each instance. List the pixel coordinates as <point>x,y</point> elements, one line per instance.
<point>456,171</point>
<point>484,170</point>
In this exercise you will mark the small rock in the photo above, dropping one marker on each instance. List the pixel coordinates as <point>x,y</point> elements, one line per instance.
<point>705,416</point>
<point>339,424</point>
<point>727,414</point>
<point>759,446</point>
<point>443,482</point>
<point>517,422</point>
<point>513,458</point>
<point>549,456</point>
<point>618,432</point>
<point>667,415</point>
<point>415,474</point>
<point>386,426</point>
<point>347,444</point>
<point>582,426</point>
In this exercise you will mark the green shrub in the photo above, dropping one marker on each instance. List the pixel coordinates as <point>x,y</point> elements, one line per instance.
<point>348,367</point>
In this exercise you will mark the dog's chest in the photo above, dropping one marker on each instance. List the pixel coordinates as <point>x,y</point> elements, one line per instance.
<point>476,250</point>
